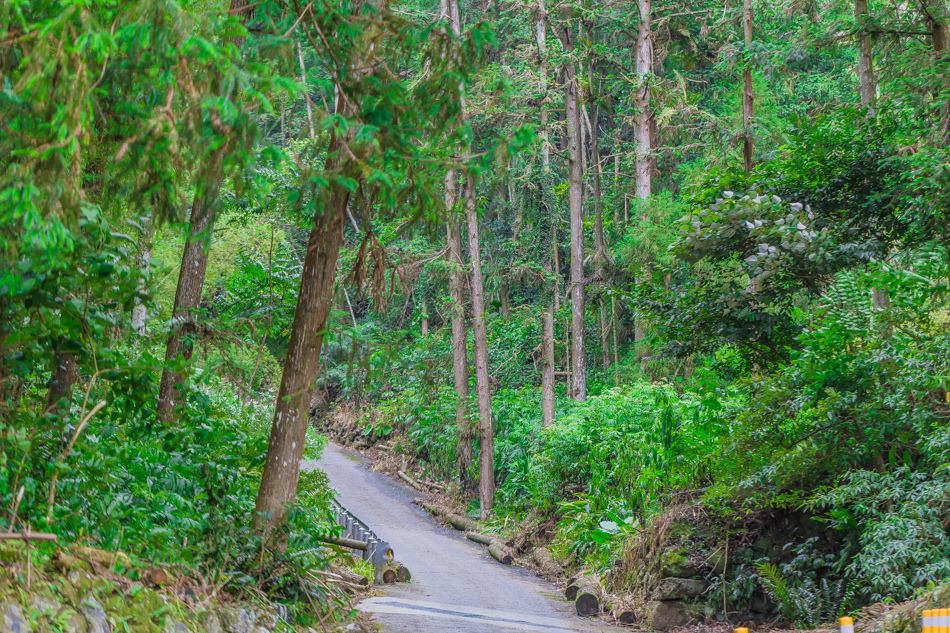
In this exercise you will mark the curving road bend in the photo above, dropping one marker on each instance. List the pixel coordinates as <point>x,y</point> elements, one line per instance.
<point>456,587</point>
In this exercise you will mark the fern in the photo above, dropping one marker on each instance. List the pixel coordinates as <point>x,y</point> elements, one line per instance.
<point>776,588</point>
<point>808,604</point>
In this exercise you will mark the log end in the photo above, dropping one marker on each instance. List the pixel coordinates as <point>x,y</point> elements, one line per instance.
<point>389,576</point>
<point>627,617</point>
<point>587,604</point>
<point>160,577</point>
<point>500,553</point>
<point>571,592</point>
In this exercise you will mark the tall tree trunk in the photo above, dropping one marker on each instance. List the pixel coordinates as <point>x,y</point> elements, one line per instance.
<point>194,265</point>
<point>288,434</point>
<point>935,14</point>
<point>866,79</point>
<point>486,485</point>
<point>64,376</point>
<point>747,94</point>
<point>547,317</point>
<point>547,366</point>
<point>449,10</point>
<point>643,167</point>
<point>557,266</point>
<point>291,415</point>
<point>505,299</point>
<point>139,311</point>
<point>613,329</point>
<point>191,277</point>
<point>936,18</point>
<point>541,38</point>
<point>575,195</point>
<point>463,422</point>
<point>600,246</point>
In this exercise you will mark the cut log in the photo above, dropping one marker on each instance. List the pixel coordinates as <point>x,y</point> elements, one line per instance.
<point>589,592</point>
<point>434,508</point>
<point>351,577</point>
<point>478,537</point>
<point>160,577</point>
<point>460,523</point>
<point>409,480</point>
<point>402,574</point>
<point>546,562</point>
<point>389,576</point>
<point>627,617</point>
<point>571,591</point>
<point>342,541</point>
<point>500,553</point>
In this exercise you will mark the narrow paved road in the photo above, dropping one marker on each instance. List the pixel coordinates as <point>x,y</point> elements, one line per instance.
<point>456,587</point>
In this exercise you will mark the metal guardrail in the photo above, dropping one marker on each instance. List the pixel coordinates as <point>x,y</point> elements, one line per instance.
<point>378,551</point>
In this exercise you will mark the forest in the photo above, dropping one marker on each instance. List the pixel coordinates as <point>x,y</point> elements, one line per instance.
<point>657,293</point>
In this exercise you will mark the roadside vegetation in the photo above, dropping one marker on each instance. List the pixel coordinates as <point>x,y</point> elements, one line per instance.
<point>663,290</point>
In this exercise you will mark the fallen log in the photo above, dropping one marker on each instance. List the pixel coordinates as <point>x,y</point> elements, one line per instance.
<point>409,480</point>
<point>432,508</point>
<point>389,576</point>
<point>342,541</point>
<point>478,537</point>
<point>627,617</point>
<point>542,556</point>
<point>463,524</point>
<point>589,593</point>
<point>402,574</point>
<point>354,578</point>
<point>571,591</point>
<point>500,553</point>
<point>27,536</point>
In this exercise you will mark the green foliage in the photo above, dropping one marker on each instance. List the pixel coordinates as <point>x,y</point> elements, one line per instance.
<point>805,602</point>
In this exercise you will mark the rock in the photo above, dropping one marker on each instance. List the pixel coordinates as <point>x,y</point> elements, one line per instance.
<point>679,588</point>
<point>675,563</point>
<point>13,620</point>
<point>174,626</point>
<point>267,618</point>
<point>717,561</point>
<point>670,614</point>
<point>237,620</point>
<point>45,606</point>
<point>95,615</point>
<point>210,622</point>
<point>74,622</point>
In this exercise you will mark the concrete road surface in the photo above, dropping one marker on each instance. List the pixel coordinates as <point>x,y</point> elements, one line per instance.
<point>456,586</point>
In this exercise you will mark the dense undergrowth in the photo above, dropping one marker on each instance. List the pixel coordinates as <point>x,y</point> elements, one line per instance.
<point>767,317</point>
<point>850,434</point>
